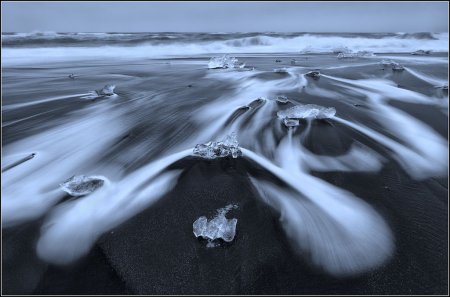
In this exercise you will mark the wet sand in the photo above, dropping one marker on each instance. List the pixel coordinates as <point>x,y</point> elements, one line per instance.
<point>155,252</point>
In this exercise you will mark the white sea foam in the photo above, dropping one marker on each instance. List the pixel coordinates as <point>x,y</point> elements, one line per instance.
<point>31,188</point>
<point>337,231</point>
<point>72,228</point>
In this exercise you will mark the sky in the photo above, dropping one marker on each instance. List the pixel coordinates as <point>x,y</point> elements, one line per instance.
<point>225,16</point>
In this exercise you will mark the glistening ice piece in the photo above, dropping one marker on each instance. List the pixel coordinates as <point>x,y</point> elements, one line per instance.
<point>80,185</point>
<point>219,149</point>
<point>217,228</point>
<point>307,111</point>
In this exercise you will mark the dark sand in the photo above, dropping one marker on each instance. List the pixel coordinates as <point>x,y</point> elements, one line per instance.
<point>155,252</point>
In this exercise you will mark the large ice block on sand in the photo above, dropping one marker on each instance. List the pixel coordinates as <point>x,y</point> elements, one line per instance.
<point>219,149</point>
<point>307,111</point>
<point>217,228</point>
<point>224,62</point>
<point>80,185</point>
<point>107,90</point>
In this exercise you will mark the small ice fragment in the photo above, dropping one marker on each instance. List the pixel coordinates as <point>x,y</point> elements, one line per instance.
<point>80,185</point>
<point>346,56</point>
<point>217,228</point>
<point>72,76</point>
<point>280,70</point>
<point>397,67</point>
<point>107,90</point>
<point>223,62</point>
<point>291,122</point>
<point>349,54</point>
<point>314,74</point>
<point>277,61</point>
<point>219,149</point>
<point>341,50</point>
<point>420,53</point>
<point>307,111</point>
<point>282,99</point>
<point>293,61</point>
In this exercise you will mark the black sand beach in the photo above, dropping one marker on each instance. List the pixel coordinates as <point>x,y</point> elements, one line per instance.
<point>165,106</point>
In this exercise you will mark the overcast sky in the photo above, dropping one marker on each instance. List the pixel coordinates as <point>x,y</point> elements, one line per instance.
<point>225,16</point>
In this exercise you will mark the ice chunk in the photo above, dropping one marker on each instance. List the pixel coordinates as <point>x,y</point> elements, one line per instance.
<point>282,99</point>
<point>394,65</point>
<point>314,74</point>
<point>219,149</point>
<point>107,90</point>
<point>350,54</point>
<point>397,67</point>
<point>421,53</point>
<point>257,102</point>
<point>217,228</point>
<point>280,70</point>
<point>80,185</point>
<point>277,61</point>
<point>223,62</point>
<point>346,56</point>
<point>293,62</point>
<point>341,50</point>
<point>307,111</point>
<point>291,122</point>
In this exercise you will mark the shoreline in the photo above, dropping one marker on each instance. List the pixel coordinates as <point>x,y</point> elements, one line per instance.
<point>162,107</point>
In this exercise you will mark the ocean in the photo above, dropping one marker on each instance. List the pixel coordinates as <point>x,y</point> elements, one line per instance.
<point>50,46</point>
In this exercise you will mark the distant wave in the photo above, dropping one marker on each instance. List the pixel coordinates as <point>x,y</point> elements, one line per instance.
<point>18,46</point>
<point>51,39</point>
